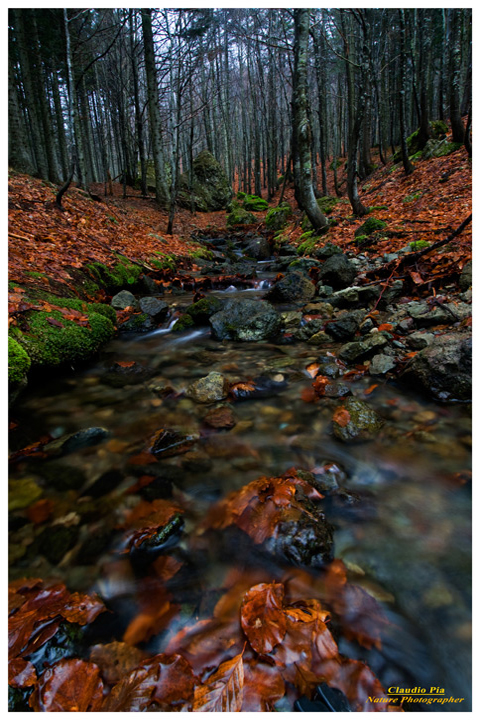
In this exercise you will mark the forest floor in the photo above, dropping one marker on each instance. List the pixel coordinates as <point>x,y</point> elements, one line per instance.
<point>427,205</point>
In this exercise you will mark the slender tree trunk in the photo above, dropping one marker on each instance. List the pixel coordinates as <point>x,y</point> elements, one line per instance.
<point>458,132</point>
<point>302,135</point>
<point>407,165</point>
<point>161,191</point>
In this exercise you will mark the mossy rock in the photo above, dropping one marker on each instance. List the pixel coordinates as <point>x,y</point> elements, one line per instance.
<point>210,189</point>
<point>203,309</point>
<point>276,218</point>
<point>439,148</point>
<point>51,340</point>
<point>122,275</point>
<point>438,130</point>
<point>254,203</point>
<point>184,322</point>
<point>308,242</point>
<point>370,226</point>
<point>239,216</point>
<point>201,254</point>
<point>163,261</point>
<point>18,362</point>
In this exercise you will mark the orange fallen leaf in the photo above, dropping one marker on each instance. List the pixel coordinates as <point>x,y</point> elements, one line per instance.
<point>341,416</point>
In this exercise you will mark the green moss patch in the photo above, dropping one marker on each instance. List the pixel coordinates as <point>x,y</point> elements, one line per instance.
<point>254,203</point>
<point>122,275</point>
<point>276,218</point>
<point>50,340</point>
<point>370,226</point>
<point>307,244</point>
<point>239,216</point>
<point>419,245</point>
<point>18,362</point>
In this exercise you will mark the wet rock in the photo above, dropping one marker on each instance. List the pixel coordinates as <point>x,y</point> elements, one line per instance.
<point>355,296</point>
<point>359,423</point>
<point>166,443</point>
<point>124,299</point>
<point>138,323</point>
<point>258,248</point>
<point>444,369</point>
<point>76,441</point>
<point>104,484</point>
<point>319,338</point>
<point>60,476</point>
<point>56,540</point>
<point>344,328</point>
<point>336,390</point>
<point>94,545</point>
<point>362,349</point>
<point>303,265</point>
<point>307,541</point>
<point>146,545</point>
<point>150,286</point>
<point>155,308</point>
<point>425,316</point>
<point>291,319</point>
<point>293,288</point>
<point>22,493</point>
<point>197,461</point>
<point>420,340</point>
<point>307,329</point>
<point>392,293</point>
<point>184,322</point>
<point>203,309</point>
<point>121,374</point>
<point>220,418</point>
<point>466,277</point>
<point>261,387</point>
<point>209,389</point>
<point>366,326</point>
<point>246,320</point>
<point>338,272</point>
<point>327,251</point>
<point>381,364</point>
<point>405,326</point>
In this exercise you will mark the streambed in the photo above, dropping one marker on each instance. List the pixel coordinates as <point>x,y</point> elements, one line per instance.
<point>406,537</point>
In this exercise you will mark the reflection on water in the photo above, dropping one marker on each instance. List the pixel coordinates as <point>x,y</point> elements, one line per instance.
<point>407,540</point>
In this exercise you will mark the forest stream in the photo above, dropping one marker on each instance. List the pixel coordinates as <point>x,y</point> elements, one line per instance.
<point>399,504</point>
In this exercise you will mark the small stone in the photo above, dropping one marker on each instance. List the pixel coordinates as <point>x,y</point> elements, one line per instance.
<point>76,441</point>
<point>209,389</point>
<point>22,493</point>
<point>381,364</point>
<point>220,418</point>
<point>360,422</point>
<point>320,338</point>
<point>420,340</point>
<point>124,299</point>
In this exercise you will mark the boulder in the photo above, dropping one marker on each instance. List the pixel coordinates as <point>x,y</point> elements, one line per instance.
<point>239,216</point>
<point>276,218</point>
<point>210,187</point>
<point>156,309</point>
<point>246,320</point>
<point>338,272</point>
<point>293,288</point>
<point>444,369</point>
<point>359,422</point>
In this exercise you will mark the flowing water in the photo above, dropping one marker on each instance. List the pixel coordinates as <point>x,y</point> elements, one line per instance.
<point>407,541</point>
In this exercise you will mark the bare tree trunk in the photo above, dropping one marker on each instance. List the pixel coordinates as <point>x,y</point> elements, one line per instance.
<point>302,135</point>
<point>161,191</point>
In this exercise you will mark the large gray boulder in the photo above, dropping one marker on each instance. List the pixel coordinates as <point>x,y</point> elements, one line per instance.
<point>246,320</point>
<point>210,187</point>
<point>444,369</point>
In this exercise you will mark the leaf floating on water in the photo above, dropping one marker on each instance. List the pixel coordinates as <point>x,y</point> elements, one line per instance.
<point>262,617</point>
<point>223,691</point>
<point>21,673</point>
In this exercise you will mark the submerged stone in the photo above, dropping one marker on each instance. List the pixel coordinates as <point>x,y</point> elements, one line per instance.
<point>76,441</point>
<point>209,389</point>
<point>360,421</point>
